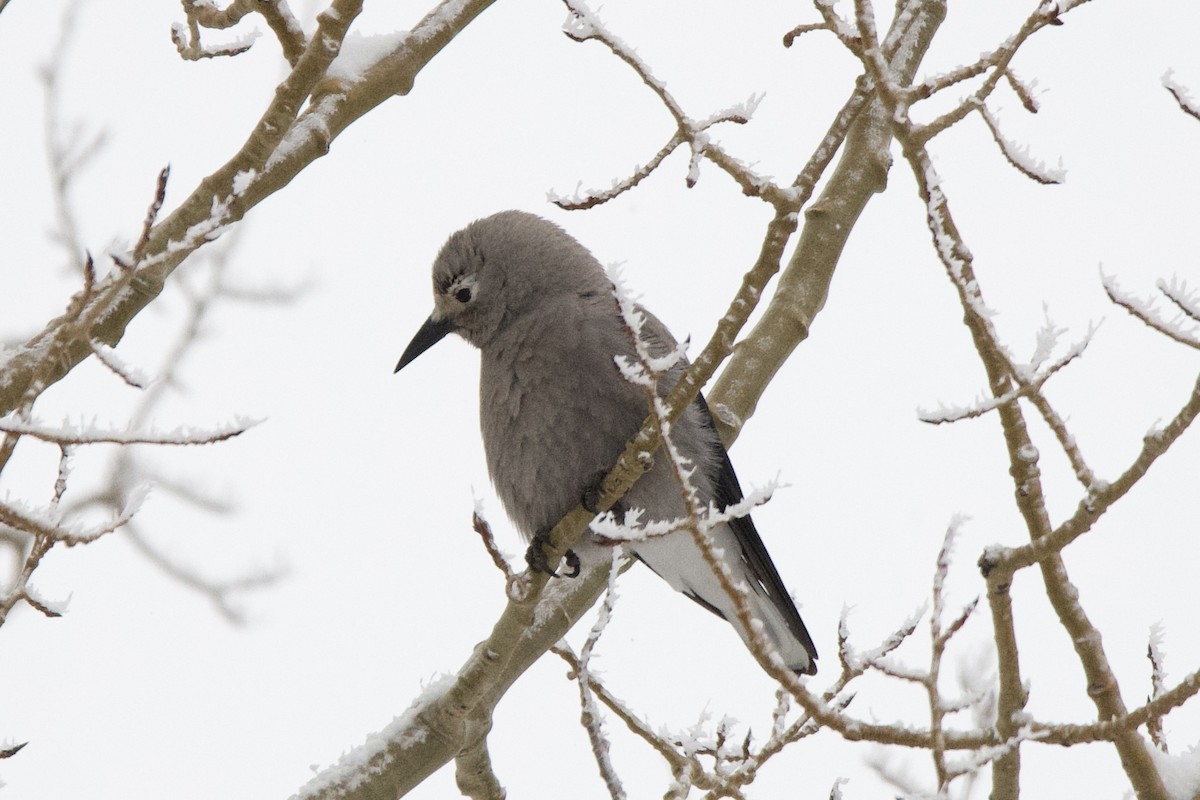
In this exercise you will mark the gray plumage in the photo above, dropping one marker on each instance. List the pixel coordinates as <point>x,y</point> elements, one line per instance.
<point>555,411</point>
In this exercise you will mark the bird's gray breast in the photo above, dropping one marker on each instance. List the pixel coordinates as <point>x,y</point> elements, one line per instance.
<point>554,410</point>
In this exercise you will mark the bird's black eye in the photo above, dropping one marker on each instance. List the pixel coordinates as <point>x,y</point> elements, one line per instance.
<point>463,295</point>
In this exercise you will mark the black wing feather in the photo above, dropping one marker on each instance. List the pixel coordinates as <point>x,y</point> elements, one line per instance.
<point>727,492</point>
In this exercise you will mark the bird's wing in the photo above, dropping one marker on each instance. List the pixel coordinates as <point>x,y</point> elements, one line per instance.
<point>726,492</point>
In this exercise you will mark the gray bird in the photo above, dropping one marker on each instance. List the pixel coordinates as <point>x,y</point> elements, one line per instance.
<point>556,412</point>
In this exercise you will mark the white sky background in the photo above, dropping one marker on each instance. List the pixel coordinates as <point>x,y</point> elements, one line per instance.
<point>360,482</point>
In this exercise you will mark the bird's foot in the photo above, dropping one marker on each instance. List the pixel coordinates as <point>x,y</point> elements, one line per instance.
<point>536,558</point>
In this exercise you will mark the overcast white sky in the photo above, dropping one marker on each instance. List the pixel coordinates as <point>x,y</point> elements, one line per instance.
<point>359,484</point>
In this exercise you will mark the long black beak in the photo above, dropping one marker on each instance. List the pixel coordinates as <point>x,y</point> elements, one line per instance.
<point>430,334</point>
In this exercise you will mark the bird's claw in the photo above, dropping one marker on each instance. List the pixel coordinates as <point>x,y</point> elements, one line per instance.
<point>573,565</point>
<point>536,558</point>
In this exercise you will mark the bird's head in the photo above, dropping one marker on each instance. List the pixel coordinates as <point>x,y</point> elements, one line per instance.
<point>498,269</point>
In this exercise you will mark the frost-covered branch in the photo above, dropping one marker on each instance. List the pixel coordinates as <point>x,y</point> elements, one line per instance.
<point>480,525</point>
<point>49,526</point>
<point>583,25</point>
<point>1018,155</point>
<point>1046,340</point>
<point>8,751</point>
<point>978,697</point>
<point>1182,330</point>
<point>108,357</point>
<point>46,529</point>
<point>440,723</point>
<point>1184,298</point>
<point>1182,95</point>
<point>39,360</point>
<point>586,198</point>
<point>1158,685</point>
<point>1027,386</point>
<point>996,65</point>
<point>608,530</point>
<point>205,14</point>
<point>85,434</point>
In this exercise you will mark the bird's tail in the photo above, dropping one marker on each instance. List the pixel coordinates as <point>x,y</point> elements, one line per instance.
<point>677,561</point>
<point>797,653</point>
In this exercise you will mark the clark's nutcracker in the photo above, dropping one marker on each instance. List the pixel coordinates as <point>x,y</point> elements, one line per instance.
<point>556,412</point>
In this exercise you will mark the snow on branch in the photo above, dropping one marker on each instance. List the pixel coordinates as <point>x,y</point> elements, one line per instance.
<point>205,14</point>
<point>1178,293</point>
<point>631,528</point>
<point>516,588</point>
<point>1018,155</point>
<point>586,198</point>
<point>1047,339</point>
<point>849,35</point>
<point>47,524</point>
<point>126,372</point>
<point>355,767</point>
<point>1182,328</point>
<point>856,662</point>
<point>360,52</point>
<point>1158,684</point>
<point>1023,91</point>
<point>78,434</point>
<point>1028,384</point>
<point>187,42</point>
<point>1182,94</point>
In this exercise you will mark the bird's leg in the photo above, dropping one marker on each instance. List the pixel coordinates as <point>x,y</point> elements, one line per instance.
<point>535,556</point>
